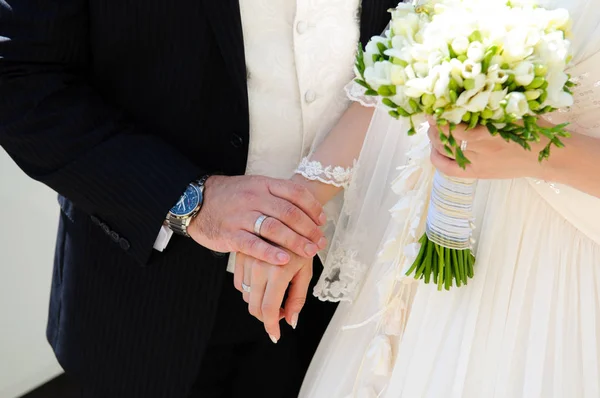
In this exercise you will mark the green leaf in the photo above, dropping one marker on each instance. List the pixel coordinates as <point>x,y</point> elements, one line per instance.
<point>388,102</point>
<point>362,83</point>
<point>371,92</point>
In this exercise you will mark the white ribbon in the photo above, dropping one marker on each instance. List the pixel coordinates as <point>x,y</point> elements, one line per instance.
<point>450,213</point>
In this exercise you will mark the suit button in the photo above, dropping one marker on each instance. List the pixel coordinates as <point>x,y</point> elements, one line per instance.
<point>106,229</point>
<point>95,220</point>
<point>124,244</point>
<point>301,27</point>
<point>236,141</point>
<point>115,236</point>
<point>310,96</point>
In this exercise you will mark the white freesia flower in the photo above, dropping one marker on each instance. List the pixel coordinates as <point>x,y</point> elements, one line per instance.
<point>460,45</point>
<point>398,75</point>
<point>524,73</point>
<point>498,114</point>
<point>553,49</point>
<point>479,102</point>
<point>557,19</point>
<point>515,48</point>
<point>496,75</point>
<point>557,97</point>
<point>441,87</point>
<point>421,68</point>
<point>470,69</point>
<point>478,85</point>
<point>476,51</point>
<point>516,104</point>
<point>454,115</point>
<point>379,74</point>
<point>495,98</point>
<point>415,88</point>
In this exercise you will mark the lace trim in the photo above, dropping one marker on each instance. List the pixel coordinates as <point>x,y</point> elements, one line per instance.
<point>342,277</point>
<point>332,175</point>
<point>356,93</point>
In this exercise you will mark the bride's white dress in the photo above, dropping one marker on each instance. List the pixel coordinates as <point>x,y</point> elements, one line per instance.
<point>526,326</point>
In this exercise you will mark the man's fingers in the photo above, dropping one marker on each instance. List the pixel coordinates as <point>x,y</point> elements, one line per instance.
<point>295,219</point>
<point>280,234</point>
<point>299,196</point>
<point>297,295</point>
<point>253,246</point>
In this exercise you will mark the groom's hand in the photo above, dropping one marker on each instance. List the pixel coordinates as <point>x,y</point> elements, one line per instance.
<point>233,204</point>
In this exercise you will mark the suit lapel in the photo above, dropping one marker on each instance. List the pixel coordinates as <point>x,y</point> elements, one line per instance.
<point>225,19</point>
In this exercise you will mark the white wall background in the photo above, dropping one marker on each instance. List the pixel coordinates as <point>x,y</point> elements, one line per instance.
<point>28,221</point>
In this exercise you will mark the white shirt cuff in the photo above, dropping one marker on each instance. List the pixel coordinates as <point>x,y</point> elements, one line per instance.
<point>163,238</point>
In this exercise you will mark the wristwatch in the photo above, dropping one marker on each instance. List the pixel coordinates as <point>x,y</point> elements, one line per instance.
<point>181,215</point>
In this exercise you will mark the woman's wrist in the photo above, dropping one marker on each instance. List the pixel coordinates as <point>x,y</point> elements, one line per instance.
<point>322,192</point>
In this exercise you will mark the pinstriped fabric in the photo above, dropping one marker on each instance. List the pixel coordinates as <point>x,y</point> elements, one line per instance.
<point>117,106</point>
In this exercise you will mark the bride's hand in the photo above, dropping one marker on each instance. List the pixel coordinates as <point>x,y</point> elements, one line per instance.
<point>491,156</point>
<point>268,285</point>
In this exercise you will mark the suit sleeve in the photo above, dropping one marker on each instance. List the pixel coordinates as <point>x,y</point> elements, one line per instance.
<point>63,134</point>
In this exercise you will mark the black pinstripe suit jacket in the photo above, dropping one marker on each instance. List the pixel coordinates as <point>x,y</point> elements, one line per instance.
<point>117,106</point>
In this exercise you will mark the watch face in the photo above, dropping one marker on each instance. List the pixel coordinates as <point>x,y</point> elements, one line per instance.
<point>188,202</point>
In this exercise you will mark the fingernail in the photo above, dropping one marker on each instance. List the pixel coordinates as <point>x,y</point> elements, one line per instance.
<point>283,257</point>
<point>311,249</point>
<point>322,243</point>
<point>294,321</point>
<point>323,218</point>
<point>273,339</point>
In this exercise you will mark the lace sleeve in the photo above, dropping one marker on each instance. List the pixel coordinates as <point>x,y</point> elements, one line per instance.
<point>356,93</point>
<point>332,175</point>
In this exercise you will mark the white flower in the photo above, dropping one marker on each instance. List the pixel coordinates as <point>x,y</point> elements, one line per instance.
<point>557,19</point>
<point>454,115</point>
<point>465,96</point>
<point>441,87</point>
<point>398,75</point>
<point>498,114</point>
<point>476,51</point>
<point>421,68</point>
<point>470,69</point>
<point>553,49</point>
<point>495,98</point>
<point>557,97</point>
<point>379,74</point>
<point>516,104</point>
<point>415,88</point>
<point>460,45</point>
<point>479,102</point>
<point>496,75</point>
<point>515,48</point>
<point>524,73</point>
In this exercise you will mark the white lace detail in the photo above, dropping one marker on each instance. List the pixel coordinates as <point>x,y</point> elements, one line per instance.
<point>331,175</point>
<point>342,276</point>
<point>356,93</point>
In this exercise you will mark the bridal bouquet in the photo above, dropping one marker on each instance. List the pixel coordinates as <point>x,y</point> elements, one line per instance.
<point>493,63</point>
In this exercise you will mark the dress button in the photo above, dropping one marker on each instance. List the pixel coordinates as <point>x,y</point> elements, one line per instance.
<point>236,141</point>
<point>124,244</point>
<point>115,236</point>
<point>301,27</point>
<point>310,96</point>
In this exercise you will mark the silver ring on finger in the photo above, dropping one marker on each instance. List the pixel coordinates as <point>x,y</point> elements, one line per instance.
<point>258,224</point>
<point>463,145</point>
<point>246,288</point>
